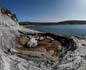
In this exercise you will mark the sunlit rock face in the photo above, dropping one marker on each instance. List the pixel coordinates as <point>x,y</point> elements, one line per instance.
<point>7,39</point>
<point>8,30</point>
<point>72,60</point>
<point>6,19</point>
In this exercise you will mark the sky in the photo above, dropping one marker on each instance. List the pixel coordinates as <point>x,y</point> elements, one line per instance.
<point>46,10</point>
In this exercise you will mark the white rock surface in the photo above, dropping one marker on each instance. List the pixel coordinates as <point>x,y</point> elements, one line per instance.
<point>8,32</point>
<point>75,60</point>
<point>32,42</point>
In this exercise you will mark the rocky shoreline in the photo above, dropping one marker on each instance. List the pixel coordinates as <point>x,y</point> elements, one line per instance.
<point>71,50</point>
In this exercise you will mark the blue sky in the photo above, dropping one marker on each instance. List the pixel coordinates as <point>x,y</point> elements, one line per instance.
<point>47,10</point>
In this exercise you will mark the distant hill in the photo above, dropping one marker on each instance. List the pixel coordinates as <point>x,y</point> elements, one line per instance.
<point>54,23</point>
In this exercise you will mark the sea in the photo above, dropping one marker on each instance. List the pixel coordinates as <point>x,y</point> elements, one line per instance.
<point>76,30</point>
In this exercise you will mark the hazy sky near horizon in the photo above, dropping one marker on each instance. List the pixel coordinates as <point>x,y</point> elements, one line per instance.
<point>47,10</point>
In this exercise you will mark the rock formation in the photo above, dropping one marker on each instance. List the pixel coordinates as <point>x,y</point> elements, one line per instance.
<point>72,56</point>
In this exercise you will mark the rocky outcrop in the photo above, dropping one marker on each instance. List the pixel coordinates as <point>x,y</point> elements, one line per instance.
<point>72,56</point>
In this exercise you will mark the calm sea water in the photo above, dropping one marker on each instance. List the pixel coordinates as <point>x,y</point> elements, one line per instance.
<point>63,29</point>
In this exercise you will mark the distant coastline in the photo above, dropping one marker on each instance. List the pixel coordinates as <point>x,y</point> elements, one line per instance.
<point>71,22</point>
